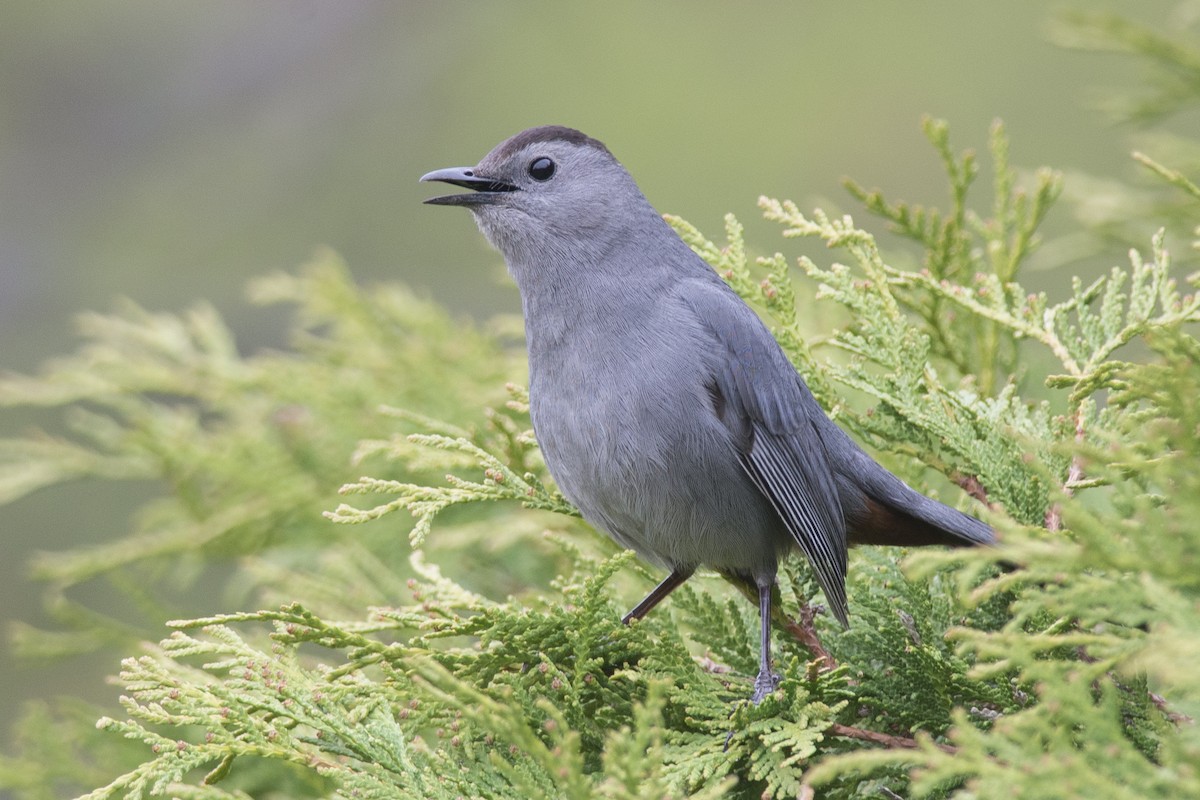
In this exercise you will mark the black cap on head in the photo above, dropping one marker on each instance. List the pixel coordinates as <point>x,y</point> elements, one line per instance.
<point>546,133</point>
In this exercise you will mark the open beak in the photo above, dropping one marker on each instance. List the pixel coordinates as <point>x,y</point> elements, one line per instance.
<point>484,190</point>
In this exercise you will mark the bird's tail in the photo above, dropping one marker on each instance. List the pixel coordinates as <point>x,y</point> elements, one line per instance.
<point>881,509</point>
<point>890,513</point>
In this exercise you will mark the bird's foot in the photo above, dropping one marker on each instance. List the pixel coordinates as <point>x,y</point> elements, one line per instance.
<point>766,683</point>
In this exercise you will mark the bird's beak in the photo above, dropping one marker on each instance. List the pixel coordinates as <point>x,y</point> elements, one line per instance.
<point>485,190</point>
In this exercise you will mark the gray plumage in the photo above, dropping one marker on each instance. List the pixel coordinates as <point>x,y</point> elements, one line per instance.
<point>664,407</point>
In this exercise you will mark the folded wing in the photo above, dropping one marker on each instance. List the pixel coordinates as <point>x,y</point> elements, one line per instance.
<point>774,417</point>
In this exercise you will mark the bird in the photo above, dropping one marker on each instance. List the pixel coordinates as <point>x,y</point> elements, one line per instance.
<point>664,408</point>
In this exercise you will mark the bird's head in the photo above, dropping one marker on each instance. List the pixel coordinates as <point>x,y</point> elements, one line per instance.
<point>548,192</point>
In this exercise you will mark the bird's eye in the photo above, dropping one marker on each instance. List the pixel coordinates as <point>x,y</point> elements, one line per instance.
<point>541,169</point>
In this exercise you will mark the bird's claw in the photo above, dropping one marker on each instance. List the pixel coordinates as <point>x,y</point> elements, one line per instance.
<point>766,683</point>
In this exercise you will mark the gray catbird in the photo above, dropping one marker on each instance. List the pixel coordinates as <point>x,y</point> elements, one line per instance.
<point>663,406</point>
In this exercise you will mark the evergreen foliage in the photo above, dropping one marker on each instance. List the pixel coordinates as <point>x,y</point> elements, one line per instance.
<point>488,661</point>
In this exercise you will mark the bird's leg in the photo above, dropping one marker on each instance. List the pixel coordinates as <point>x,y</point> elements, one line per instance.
<point>668,585</point>
<point>767,681</point>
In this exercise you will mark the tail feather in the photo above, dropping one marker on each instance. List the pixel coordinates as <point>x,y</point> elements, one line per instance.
<point>914,521</point>
<point>882,509</point>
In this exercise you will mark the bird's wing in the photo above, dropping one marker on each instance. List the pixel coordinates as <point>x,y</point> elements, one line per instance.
<point>774,418</point>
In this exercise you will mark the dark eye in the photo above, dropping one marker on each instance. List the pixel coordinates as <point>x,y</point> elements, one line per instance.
<point>541,169</point>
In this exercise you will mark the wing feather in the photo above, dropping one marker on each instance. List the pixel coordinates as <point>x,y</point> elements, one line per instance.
<point>783,454</point>
<point>809,510</point>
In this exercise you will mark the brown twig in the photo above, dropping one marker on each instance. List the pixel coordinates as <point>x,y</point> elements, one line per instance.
<point>1074,474</point>
<point>885,739</point>
<point>971,485</point>
<point>1053,521</point>
<point>806,634</point>
<point>1176,717</point>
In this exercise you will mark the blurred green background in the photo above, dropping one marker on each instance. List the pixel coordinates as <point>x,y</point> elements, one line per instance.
<point>167,151</point>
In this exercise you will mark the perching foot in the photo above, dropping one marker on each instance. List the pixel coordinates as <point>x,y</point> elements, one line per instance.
<point>766,683</point>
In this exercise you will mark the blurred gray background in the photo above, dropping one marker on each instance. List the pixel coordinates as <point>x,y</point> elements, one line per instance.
<point>167,151</point>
